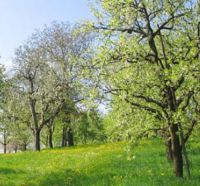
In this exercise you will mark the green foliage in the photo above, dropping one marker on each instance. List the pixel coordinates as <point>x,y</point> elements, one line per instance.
<point>140,84</point>
<point>50,71</point>
<point>89,128</point>
<point>152,49</point>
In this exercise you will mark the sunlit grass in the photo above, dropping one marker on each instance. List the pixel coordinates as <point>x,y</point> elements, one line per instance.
<point>102,165</point>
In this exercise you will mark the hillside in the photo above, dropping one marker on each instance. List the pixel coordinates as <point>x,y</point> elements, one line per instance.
<point>102,165</point>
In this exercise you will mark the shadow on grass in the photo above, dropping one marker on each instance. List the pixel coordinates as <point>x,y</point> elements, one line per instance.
<point>4,170</point>
<point>73,178</point>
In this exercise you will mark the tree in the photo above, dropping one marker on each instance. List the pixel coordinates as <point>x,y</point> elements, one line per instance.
<point>88,127</point>
<point>16,116</point>
<point>68,48</point>
<point>153,49</point>
<point>50,126</point>
<point>39,87</point>
<point>3,126</point>
<point>49,69</point>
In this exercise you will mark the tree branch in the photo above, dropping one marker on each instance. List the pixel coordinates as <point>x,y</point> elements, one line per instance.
<point>189,132</point>
<point>128,30</point>
<point>163,26</point>
<point>150,100</point>
<point>189,96</point>
<point>147,108</point>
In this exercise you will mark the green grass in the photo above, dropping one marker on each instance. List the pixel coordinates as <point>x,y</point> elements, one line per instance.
<point>95,165</point>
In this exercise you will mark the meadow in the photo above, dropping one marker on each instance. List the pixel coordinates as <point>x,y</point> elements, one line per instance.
<point>97,165</point>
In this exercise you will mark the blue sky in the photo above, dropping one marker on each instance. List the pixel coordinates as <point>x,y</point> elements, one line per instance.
<point>19,19</point>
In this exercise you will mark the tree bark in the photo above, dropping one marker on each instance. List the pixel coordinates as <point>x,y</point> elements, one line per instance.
<point>50,138</point>
<point>64,143</point>
<point>169,153</point>
<point>185,157</point>
<point>4,141</point>
<point>24,147</point>
<point>176,151</point>
<point>70,139</point>
<point>4,148</point>
<point>37,140</point>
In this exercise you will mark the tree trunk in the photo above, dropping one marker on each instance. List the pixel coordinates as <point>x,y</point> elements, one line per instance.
<point>24,148</point>
<point>185,157</point>
<point>70,138</point>
<point>50,138</point>
<point>176,151</point>
<point>186,161</point>
<point>4,141</point>
<point>64,143</point>
<point>169,153</point>
<point>4,148</point>
<point>15,148</point>
<point>37,140</point>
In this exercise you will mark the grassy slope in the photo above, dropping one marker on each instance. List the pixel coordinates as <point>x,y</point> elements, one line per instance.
<point>103,165</point>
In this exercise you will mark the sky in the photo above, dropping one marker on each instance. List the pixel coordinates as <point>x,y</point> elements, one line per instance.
<point>19,19</point>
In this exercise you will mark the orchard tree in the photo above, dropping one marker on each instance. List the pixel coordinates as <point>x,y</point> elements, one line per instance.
<point>17,116</point>
<point>68,50</point>
<point>3,124</point>
<point>152,48</point>
<point>50,71</point>
<point>39,87</point>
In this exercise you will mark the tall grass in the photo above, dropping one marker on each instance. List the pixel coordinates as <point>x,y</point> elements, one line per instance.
<point>96,165</point>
